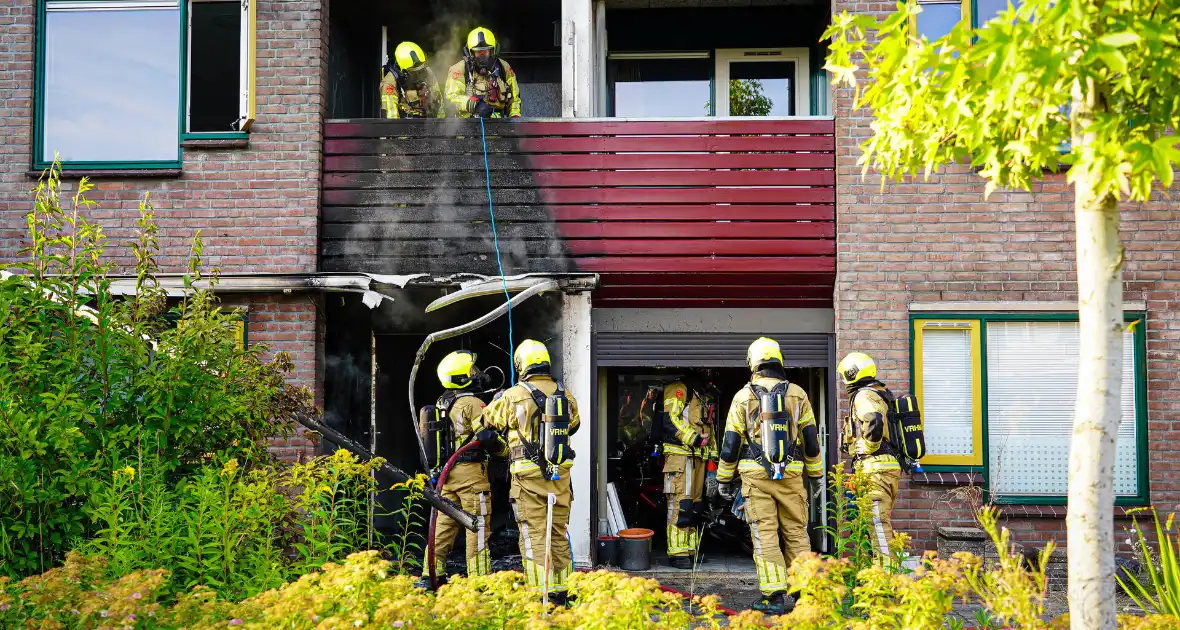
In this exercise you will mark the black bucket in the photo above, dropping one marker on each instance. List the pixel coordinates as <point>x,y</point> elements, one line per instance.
<point>608,551</point>
<point>635,554</point>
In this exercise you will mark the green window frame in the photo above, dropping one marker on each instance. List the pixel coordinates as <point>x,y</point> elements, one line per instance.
<point>978,461</point>
<point>247,74</point>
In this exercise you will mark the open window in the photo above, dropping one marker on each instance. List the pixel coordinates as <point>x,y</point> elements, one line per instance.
<point>763,82</point>
<point>220,41</point>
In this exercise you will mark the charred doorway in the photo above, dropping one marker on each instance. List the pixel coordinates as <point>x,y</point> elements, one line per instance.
<point>397,329</point>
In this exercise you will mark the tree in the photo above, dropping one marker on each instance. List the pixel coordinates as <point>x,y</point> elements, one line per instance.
<point>746,99</point>
<point>1094,86</point>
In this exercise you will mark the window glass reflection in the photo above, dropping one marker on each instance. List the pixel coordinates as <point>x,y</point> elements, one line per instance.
<point>112,84</point>
<point>661,88</point>
<point>936,20</point>
<point>761,88</point>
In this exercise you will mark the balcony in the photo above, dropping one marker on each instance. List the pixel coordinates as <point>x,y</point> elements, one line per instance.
<point>670,213</point>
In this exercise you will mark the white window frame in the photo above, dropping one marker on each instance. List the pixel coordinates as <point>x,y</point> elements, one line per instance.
<point>246,67</point>
<point>799,56</point>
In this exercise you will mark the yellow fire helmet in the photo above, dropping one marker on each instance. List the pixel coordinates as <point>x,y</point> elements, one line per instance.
<point>531,356</point>
<point>764,351</point>
<point>456,369</point>
<point>409,56</point>
<point>480,37</point>
<point>855,367</point>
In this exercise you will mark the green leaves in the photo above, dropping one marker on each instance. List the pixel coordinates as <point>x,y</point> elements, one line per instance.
<point>997,97</point>
<point>87,378</point>
<point>1118,40</point>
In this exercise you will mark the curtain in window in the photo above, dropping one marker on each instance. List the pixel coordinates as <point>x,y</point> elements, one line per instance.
<point>1032,371</point>
<point>947,391</point>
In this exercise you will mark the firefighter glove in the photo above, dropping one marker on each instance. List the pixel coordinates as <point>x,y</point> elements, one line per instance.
<point>814,486</point>
<point>701,441</point>
<point>726,490</point>
<point>480,107</point>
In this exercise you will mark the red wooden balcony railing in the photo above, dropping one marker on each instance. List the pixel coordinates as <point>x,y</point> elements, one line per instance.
<point>669,213</point>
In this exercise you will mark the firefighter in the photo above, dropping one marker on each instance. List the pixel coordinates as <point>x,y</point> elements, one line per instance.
<point>866,439</point>
<point>408,87</point>
<point>771,439</point>
<point>687,448</point>
<point>458,421</point>
<point>482,84</point>
<point>538,416</point>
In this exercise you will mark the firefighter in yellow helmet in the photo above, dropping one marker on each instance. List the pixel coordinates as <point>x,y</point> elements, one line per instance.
<point>483,84</point>
<point>455,420</point>
<point>538,417</point>
<point>772,440</point>
<point>866,438</point>
<point>408,86</point>
<point>688,448</point>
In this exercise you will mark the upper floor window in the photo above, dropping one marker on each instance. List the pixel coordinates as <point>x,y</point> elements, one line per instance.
<point>726,82</point>
<point>938,17</point>
<point>661,85</point>
<point>114,78</point>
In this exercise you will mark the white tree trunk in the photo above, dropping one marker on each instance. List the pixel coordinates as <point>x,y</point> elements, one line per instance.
<point>1090,519</point>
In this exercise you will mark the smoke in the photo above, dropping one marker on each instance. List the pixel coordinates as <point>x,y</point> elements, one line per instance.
<point>428,210</point>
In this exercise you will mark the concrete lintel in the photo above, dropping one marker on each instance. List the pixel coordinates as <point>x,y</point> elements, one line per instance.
<point>1008,307</point>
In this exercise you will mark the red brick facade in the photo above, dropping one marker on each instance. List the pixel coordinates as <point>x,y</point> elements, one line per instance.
<point>940,241</point>
<point>257,207</point>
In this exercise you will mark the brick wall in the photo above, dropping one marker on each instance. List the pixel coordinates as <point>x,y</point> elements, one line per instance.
<point>940,241</point>
<point>256,207</point>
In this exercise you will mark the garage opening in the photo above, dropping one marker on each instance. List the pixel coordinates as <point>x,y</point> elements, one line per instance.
<point>633,370</point>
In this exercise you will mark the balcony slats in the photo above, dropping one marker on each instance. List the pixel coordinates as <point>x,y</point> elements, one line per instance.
<point>669,213</point>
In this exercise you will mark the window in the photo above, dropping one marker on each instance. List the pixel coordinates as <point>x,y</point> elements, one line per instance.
<point>114,85</point>
<point>952,403</point>
<point>763,82</point>
<point>218,97</point>
<point>938,18</point>
<point>661,85</point>
<point>111,88</point>
<point>1004,385</point>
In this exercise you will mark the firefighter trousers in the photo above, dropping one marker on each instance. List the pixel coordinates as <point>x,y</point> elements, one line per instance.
<point>773,509</point>
<point>467,485</point>
<point>529,498</point>
<point>883,490</point>
<point>684,485</point>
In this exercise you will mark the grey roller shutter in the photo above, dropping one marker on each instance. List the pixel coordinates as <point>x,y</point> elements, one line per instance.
<point>656,349</point>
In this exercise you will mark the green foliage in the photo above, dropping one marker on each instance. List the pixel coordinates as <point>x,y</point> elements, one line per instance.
<point>1005,98</point>
<point>1013,594</point>
<point>1161,593</point>
<point>90,382</point>
<point>359,592</point>
<point>746,98</point>
<point>237,532</point>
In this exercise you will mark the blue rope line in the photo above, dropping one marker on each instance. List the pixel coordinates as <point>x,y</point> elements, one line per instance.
<point>487,172</point>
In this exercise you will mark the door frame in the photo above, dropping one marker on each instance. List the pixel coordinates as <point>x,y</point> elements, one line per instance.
<point>799,56</point>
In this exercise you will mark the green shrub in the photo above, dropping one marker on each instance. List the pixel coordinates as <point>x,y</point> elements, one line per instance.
<point>90,382</point>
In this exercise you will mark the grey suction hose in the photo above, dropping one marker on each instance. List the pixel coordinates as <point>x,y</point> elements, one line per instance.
<point>549,285</point>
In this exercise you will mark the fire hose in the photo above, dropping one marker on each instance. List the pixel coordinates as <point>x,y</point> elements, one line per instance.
<point>548,285</point>
<point>431,495</point>
<point>442,479</point>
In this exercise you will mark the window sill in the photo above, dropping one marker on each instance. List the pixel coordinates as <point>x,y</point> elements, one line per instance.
<point>1051,511</point>
<point>946,479</point>
<point>102,173</point>
<point>215,143</point>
